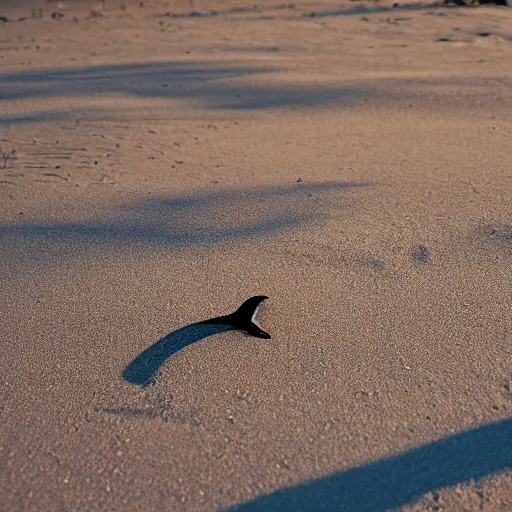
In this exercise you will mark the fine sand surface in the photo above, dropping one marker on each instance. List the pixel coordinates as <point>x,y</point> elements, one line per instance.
<point>350,160</point>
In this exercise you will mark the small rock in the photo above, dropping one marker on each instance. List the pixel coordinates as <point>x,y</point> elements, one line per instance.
<point>57,15</point>
<point>300,180</point>
<point>5,19</point>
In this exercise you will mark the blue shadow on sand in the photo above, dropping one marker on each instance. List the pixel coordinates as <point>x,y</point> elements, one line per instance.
<point>211,85</point>
<point>144,368</point>
<point>399,480</point>
<point>177,222</point>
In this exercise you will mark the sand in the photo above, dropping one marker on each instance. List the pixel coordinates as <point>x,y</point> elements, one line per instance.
<point>350,160</point>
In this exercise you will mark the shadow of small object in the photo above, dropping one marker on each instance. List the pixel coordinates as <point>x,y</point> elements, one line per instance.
<point>144,368</point>
<point>481,2</point>
<point>399,480</point>
<point>502,235</point>
<point>132,412</point>
<point>421,254</point>
<point>375,264</point>
<point>363,9</point>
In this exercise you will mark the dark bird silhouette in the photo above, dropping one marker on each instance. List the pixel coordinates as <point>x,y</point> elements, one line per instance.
<point>244,318</point>
<point>144,368</point>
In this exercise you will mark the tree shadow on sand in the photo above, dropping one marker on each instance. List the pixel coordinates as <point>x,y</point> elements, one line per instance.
<point>174,222</point>
<point>211,85</point>
<point>403,479</point>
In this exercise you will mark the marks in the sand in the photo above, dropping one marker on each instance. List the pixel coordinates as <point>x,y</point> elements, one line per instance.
<point>44,161</point>
<point>309,253</point>
<point>244,12</point>
<point>374,264</point>
<point>364,9</point>
<point>499,236</point>
<point>154,405</point>
<point>421,254</point>
<point>7,156</point>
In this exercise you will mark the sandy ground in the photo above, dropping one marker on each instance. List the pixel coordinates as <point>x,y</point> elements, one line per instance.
<point>352,161</point>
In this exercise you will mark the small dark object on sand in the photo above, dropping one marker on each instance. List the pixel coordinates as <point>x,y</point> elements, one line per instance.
<point>461,3</point>
<point>421,254</point>
<point>57,15</point>
<point>144,369</point>
<point>244,318</point>
<point>5,19</point>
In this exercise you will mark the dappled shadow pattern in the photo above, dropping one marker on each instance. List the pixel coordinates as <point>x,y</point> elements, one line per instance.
<point>500,236</point>
<point>371,9</point>
<point>221,86</point>
<point>397,481</point>
<point>186,220</point>
<point>212,85</point>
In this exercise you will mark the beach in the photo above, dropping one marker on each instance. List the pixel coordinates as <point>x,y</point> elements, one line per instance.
<point>164,162</point>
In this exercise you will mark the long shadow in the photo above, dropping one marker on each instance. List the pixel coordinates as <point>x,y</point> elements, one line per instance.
<point>201,218</point>
<point>144,368</point>
<point>364,9</point>
<point>402,479</point>
<point>176,222</point>
<point>212,85</point>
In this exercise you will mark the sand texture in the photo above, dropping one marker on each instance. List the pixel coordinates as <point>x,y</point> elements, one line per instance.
<point>162,163</point>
